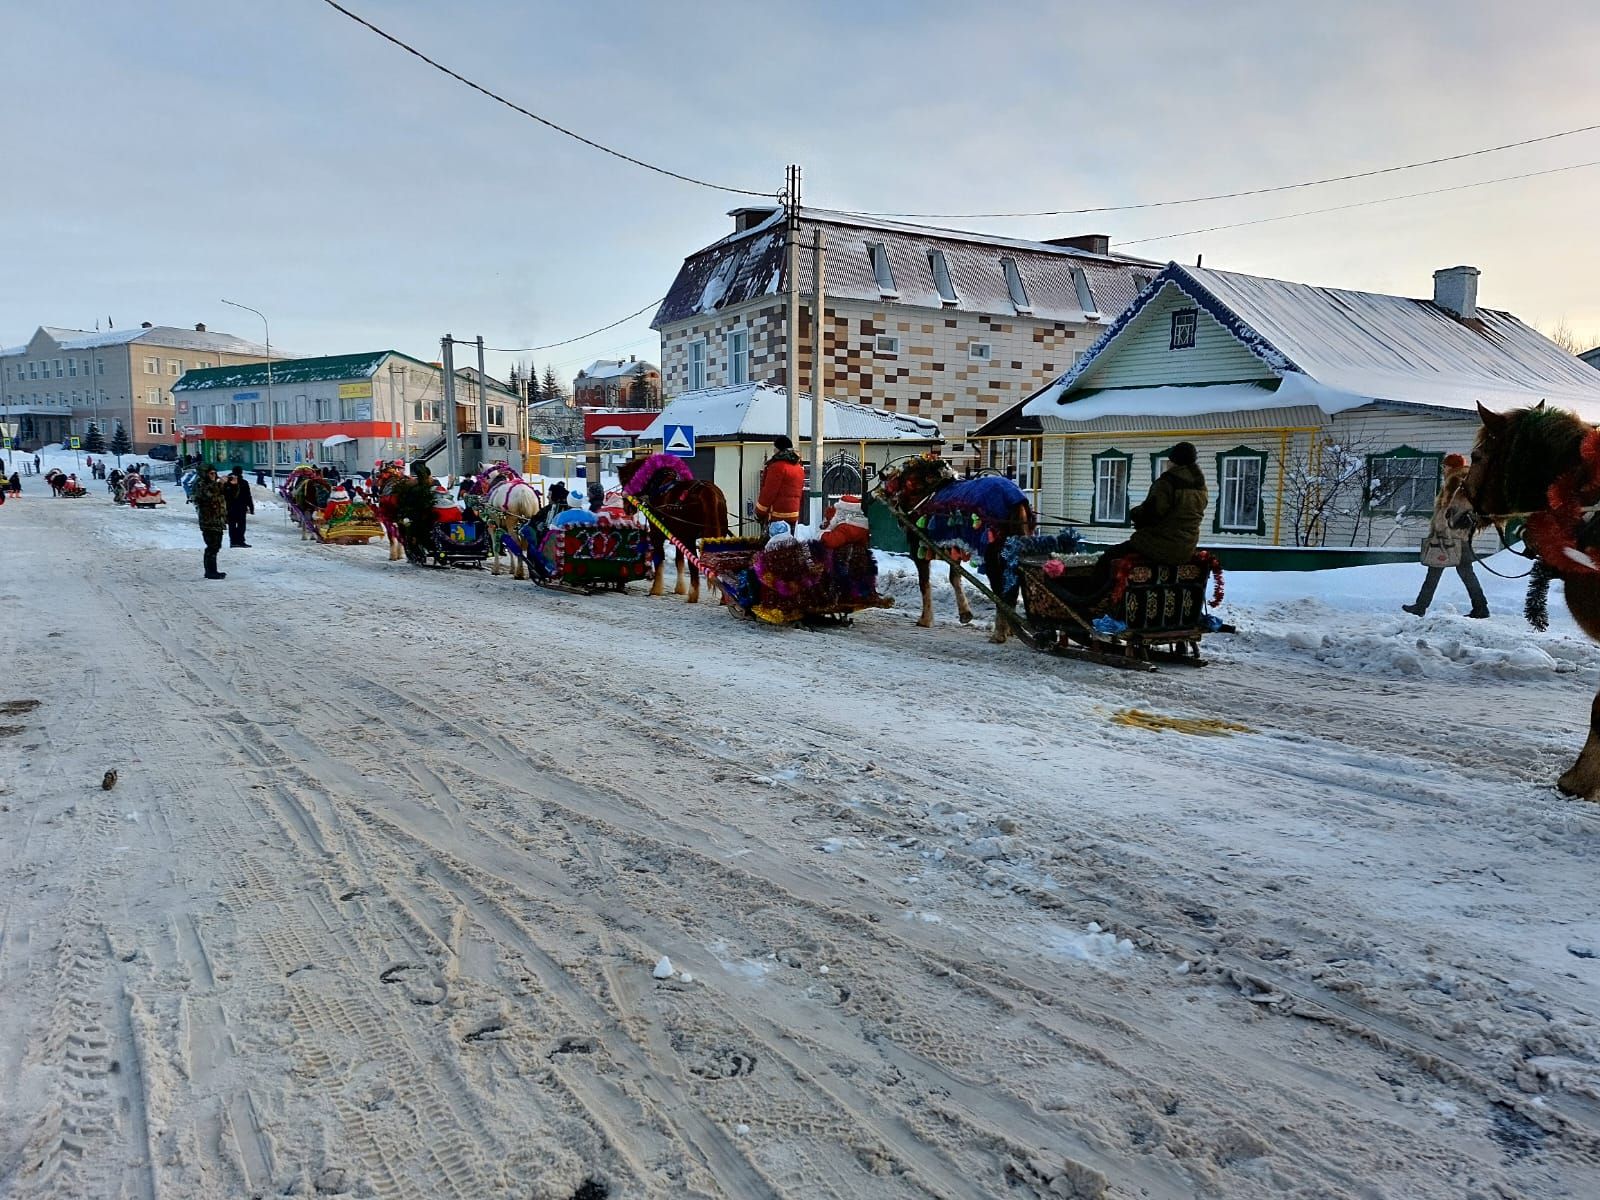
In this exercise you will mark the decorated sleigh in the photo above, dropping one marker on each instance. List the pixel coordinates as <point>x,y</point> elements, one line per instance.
<point>582,552</point>
<point>325,511</point>
<point>785,580</point>
<point>1131,615</point>
<point>139,494</point>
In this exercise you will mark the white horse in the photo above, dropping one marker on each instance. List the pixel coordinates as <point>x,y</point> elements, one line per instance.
<point>511,501</point>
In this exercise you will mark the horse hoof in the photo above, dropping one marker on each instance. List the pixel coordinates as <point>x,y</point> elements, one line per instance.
<point>1574,784</point>
<point>966,618</point>
<point>924,622</point>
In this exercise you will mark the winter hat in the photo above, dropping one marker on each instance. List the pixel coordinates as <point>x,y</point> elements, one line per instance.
<point>779,529</point>
<point>338,495</point>
<point>1183,454</point>
<point>1455,462</point>
<point>782,442</point>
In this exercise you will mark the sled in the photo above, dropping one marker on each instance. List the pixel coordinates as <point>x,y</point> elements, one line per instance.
<point>463,543</point>
<point>800,582</point>
<point>1149,613</point>
<point>582,559</point>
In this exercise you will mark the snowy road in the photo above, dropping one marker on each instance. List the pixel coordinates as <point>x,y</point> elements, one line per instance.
<point>374,907</point>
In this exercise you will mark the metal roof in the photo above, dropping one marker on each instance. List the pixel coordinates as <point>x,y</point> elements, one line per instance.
<point>749,265</point>
<point>165,336</point>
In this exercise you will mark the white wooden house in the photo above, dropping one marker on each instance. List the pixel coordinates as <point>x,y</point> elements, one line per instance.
<point>1321,415</point>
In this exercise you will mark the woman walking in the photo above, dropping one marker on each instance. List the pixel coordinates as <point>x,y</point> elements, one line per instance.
<point>1449,542</point>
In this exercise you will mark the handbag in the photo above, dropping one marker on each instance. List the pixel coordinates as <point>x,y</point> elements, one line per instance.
<point>1438,551</point>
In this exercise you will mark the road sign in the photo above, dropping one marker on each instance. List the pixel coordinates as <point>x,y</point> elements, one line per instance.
<point>74,443</point>
<point>678,439</point>
<point>5,443</point>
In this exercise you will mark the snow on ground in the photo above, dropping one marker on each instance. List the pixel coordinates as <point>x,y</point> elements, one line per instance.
<point>375,905</point>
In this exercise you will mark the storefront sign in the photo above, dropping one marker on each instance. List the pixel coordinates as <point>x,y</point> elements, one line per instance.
<point>357,391</point>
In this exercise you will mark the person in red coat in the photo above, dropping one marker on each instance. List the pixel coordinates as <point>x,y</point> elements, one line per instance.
<point>783,485</point>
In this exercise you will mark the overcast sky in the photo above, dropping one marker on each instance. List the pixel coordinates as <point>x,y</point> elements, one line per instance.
<point>163,155</point>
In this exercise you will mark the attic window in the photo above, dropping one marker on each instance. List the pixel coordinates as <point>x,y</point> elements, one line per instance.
<point>1019,294</point>
<point>1184,321</point>
<point>941,277</point>
<point>879,255</point>
<point>1080,283</point>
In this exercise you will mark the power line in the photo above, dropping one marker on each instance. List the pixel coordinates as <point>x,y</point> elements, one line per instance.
<point>570,340</point>
<point>1312,212</point>
<point>1282,187</point>
<point>545,121</point>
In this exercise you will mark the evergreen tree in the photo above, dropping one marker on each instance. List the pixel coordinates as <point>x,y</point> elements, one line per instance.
<point>120,442</point>
<point>643,392</point>
<point>93,442</point>
<point>551,389</point>
<point>535,388</point>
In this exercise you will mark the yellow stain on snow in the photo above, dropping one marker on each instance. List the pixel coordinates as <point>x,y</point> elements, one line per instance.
<point>1137,718</point>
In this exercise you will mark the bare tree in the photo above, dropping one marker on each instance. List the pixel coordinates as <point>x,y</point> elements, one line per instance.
<point>1563,335</point>
<point>1329,491</point>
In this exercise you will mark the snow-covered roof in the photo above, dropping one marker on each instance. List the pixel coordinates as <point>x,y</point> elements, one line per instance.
<point>605,368</point>
<point>1344,349</point>
<point>750,264</point>
<point>168,336</point>
<point>754,411</point>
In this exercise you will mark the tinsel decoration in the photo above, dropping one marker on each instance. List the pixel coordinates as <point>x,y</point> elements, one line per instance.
<point>1536,605</point>
<point>1213,566</point>
<point>655,473</point>
<point>1558,531</point>
<point>1068,541</point>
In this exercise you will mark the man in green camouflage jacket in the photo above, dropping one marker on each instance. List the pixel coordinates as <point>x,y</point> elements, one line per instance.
<point>211,503</point>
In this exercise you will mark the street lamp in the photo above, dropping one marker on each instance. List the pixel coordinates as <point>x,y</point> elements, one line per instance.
<point>272,416</point>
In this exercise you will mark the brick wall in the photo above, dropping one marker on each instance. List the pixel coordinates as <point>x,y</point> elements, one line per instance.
<point>933,375</point>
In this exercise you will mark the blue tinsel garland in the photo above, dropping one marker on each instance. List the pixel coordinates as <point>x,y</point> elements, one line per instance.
<point>1068,541</point>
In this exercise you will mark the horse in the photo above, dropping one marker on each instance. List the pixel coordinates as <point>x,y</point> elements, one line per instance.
<point>1544,464</point>
<point>512,502</point>
<point>961,519</point>
<point>57,479</point>
<point>691,509</point>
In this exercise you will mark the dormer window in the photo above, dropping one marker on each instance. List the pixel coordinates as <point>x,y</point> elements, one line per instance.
<point>1019,294</point>
<point>941,278</point>
<point>1184,321</point>
<point>1080,283</point>
<point>879,254</point>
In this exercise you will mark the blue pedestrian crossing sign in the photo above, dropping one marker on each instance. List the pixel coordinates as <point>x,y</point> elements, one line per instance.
<point>5,443</point>
<point>74,443</point>
<point>678,439</point>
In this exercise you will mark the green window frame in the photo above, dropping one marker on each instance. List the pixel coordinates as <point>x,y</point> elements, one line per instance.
<point>1410,488</point>
<point>1233,484</point>
<point>1103,504</point>
<point>1156,461</point>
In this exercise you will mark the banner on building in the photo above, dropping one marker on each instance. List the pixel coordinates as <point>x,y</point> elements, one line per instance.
<point>356,391</point>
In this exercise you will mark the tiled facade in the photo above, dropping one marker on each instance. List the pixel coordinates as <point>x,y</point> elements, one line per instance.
<point>933,374</point>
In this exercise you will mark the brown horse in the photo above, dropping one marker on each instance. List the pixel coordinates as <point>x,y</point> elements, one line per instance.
<point>1544,464</point>
<point>960,520</point>
<point>691,509</point>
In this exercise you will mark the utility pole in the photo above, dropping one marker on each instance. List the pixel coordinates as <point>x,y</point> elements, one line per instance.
<point>819,379</point>
<point>792,337</point>
<point>483,410</point>
<point>449,360</point>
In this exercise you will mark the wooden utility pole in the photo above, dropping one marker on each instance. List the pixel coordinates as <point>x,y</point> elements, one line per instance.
<point>448,358</point>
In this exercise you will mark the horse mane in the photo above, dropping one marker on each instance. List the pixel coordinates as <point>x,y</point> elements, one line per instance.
<point>1541,444</point>
<point>641,476</point>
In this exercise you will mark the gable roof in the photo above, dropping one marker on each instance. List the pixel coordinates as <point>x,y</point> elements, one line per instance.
<point>748,265</point>
<point>751,411</point>
<point>1353,348</point>
<point>607,368</point>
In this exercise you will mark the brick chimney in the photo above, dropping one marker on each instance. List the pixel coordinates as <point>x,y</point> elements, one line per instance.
<point>749,216</point>
<point>1455,289</point>
<point>1094,243</point>
<point>199,328</point>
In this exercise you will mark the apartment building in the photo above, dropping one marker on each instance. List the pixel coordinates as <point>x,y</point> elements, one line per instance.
<point>342,410</point>
<point>64,380</point>
<point>941,324</point>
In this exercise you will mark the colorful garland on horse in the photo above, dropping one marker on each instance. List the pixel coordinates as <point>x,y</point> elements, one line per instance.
<point>1556,532</point>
